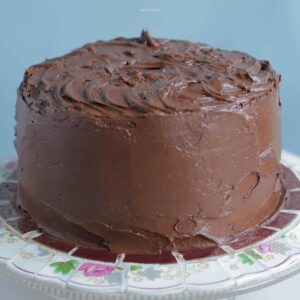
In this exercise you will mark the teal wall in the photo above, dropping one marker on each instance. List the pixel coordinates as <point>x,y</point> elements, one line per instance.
<point>32,30</point>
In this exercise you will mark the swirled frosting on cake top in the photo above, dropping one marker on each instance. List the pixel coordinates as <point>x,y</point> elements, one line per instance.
<point>144,75</point>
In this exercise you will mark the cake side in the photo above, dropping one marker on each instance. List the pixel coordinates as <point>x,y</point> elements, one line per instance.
<point>145,145</point>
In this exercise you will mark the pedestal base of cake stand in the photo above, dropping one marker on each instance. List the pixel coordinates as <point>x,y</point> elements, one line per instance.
<point>266,255</point>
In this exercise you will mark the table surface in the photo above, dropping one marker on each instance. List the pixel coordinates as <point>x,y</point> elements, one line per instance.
<point>11,291</point>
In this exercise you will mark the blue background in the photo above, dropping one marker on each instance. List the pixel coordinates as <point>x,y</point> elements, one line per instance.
<point>33,30</point>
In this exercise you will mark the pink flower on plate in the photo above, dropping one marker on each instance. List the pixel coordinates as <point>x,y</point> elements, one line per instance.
<point>11,165</point>
<point>264,248</point>
<point>91,269</point>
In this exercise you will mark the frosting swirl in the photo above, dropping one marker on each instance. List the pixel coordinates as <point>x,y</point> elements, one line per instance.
<point>137,76</point>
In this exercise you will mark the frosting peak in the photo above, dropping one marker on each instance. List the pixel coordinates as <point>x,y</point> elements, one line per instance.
<point>147,38</point>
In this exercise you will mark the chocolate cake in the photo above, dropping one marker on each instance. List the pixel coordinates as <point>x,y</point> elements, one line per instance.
<point>147,145</point>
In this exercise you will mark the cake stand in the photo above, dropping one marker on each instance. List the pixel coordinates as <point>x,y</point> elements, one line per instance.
<point>264,256</point>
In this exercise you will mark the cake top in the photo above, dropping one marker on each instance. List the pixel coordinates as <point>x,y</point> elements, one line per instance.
<point>137,76</point>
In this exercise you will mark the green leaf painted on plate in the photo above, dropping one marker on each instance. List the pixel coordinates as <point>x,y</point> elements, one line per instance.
<point>245,259</point>
<point>64,267</point>
<point>135,268</point>
<point>254,254</point>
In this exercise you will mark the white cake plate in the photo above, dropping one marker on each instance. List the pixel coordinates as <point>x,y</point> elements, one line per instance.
<point>65,276</point>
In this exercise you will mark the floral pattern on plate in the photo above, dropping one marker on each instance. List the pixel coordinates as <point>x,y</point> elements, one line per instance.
<point>157,276</point>
<point>98,276</point>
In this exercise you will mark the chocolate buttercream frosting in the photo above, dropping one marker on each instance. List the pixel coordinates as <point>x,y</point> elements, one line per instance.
<point>148,145</point>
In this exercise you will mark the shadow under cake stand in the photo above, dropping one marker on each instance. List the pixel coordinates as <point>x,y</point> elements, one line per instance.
<point>263,256</point>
